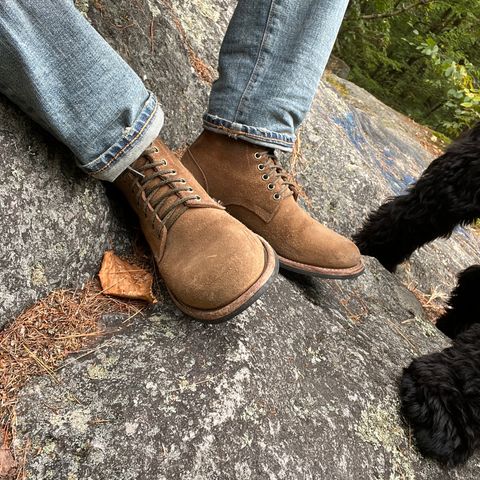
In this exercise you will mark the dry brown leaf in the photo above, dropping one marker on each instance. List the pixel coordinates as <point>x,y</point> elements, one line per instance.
<point>122,279</point>
<point>7,462</point>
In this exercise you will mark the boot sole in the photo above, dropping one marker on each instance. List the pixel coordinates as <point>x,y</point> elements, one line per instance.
<point>313,271</point>
<point>249,297</point>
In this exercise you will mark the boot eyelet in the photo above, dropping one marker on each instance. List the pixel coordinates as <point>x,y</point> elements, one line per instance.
<point>276,196</point>
<point>163,162</point>
<point>173,173</point>
<point>182,180</point>
<point>261,166</point>
<point>265,176</point>
<point>270,186</point>
<point>190,189</point>
<point>198,198</point>
<point>258,155</point>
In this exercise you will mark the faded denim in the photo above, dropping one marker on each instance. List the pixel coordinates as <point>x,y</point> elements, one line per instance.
<point>62,73</point>
<point>271,60</point>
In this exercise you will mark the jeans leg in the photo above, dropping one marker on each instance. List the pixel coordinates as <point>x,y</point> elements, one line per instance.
<point>271,60</point>
<point>62,73</point>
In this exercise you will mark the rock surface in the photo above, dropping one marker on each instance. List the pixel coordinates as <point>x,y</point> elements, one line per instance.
<point>302,385</point>
<point>55,221</point>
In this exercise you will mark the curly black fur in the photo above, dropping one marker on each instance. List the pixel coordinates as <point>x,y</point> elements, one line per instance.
<point>440,396</point>
<point>446,195</point>
<point>463,304</point>
<point>440,392</point>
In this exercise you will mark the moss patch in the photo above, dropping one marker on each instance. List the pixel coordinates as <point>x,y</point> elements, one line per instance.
<point>336,84</point>
<point>379,426</point>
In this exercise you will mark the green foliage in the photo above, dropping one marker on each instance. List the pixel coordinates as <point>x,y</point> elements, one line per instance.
<point>422,57</point>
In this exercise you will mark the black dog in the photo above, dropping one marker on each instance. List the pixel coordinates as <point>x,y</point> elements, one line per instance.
<point>446,195</point>
<point>440,392</point>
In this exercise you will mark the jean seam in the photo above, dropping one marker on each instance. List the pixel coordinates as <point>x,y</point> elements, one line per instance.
<point>273,139</point>
<point>133,140</point>
<point>257,62</point>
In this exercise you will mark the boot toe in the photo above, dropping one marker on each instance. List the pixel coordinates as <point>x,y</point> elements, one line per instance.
<point>316,250</point>
<point>318,246</point>
<point>225,260</point>
<point>343,253</point>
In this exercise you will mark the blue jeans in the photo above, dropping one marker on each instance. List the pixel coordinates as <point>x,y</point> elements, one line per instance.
<point>271,60</point>
<point>63,74</point>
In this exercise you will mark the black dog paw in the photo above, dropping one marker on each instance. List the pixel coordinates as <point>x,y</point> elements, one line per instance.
<point>462,309</point>
<point>440,414</point>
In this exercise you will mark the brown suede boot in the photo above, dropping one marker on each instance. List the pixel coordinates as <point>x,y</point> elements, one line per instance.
<point>212,265</point>
<point>254,188</point>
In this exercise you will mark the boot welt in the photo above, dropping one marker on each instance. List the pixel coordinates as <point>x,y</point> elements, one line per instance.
<point>229,311</point>
<point>322,272</point>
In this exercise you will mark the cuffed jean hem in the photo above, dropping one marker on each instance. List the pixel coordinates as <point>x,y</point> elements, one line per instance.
<point>258,136</point>
<point>140,135</point>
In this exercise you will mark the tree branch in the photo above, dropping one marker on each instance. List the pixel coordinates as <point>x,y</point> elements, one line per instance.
<point>398,11</point>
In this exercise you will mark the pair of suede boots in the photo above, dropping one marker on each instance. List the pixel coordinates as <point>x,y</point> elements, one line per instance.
<point>215,264</point>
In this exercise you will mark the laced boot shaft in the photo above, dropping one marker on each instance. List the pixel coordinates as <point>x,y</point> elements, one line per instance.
<point>280,182</point>
<point>156,186</point>
<point>212,265</point>
<point>155,198</point>
<point>255,189</point>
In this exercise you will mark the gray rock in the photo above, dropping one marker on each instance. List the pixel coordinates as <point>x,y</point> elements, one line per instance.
<point>338,66</point>
<point>302,385</point>
<point>55,222</point>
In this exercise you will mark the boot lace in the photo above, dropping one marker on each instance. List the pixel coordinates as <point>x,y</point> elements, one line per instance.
<point>163,176</point>
<point>275,174</point>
